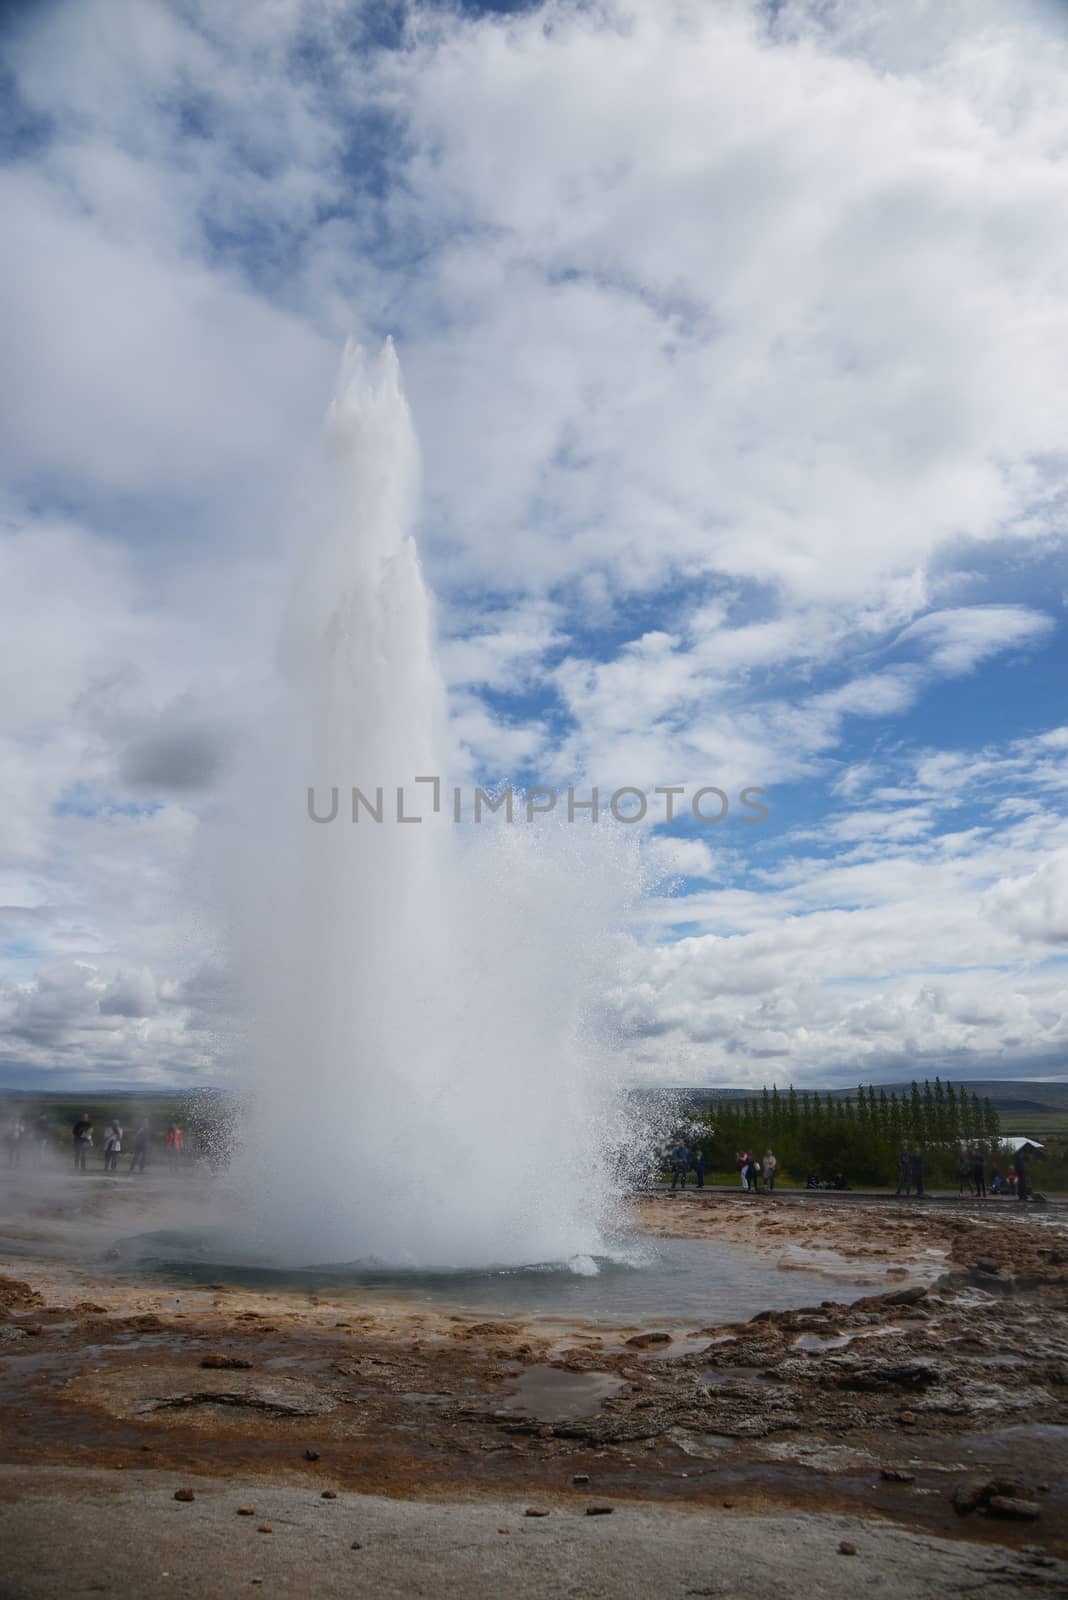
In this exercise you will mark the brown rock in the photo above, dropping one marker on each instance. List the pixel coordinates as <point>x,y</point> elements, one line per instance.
<point>847,1549</point>
<point>13,1292</point>
<point>599,1511</point>
<point>265,1527</point>
<point>581,1477</point>
<point>644,1341</point>
<point>220,1363</point>
<point>893,1475</point>
<point>311,1455</point>
<point>905,1297</point>
<point>871,1373</point>
<point>533,1511</point>
<point>246,1511</point>
<point>328,1494</point>
<point>907,1419</point>
<point>968,1497</point>
<point>355,1545</point>
<point>1012,1509</point>
<point>184,1494</point>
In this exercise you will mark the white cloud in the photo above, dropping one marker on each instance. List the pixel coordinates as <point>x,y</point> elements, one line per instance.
<point>959,640</point>
<point>711,416</point>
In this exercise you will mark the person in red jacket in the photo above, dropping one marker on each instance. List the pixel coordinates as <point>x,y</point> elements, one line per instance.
<point>175,1145</point>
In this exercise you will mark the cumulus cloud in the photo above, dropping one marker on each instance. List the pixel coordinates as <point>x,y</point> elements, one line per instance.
<point>718,428</point>
<point>180,753</point>
<point>129,994</point>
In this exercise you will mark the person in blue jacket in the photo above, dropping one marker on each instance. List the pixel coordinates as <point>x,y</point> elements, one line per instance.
<point>681,1168</point>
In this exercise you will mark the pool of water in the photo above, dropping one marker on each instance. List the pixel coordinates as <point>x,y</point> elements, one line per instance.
<point>673,1281</point>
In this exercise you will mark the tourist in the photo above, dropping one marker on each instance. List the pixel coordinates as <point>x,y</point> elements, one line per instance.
<point>699,1169</point>
<point>16,1132</point>
<point>175,1144</point>
<point>140,1149</point>
<point>112,1147</point>
<point>839,1181</point>
<point>1022,1186</point>
<point>997,1182</point>
<point>812,1181</point>
<point>904,1174</point>
<point>82,1133</point>
<point>741,1161</point>
<point>771,1167</point>
<point>917,1174</point>
<point>42,1133</point>
<point>964,1173</point>
<point>979,1175</point>
<point>1011,1180</point>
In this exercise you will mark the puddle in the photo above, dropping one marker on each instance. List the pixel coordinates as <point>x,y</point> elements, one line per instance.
<point>552,1395</point>
<point>681,1345</point>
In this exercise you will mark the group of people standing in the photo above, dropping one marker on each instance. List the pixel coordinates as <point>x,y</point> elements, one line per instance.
<point>753,1174</point>
<point>971,1175</point>
<point>82,1137</point>
<point>17,1137</point>
<point>684,1161</point>
<point>910,1173</point>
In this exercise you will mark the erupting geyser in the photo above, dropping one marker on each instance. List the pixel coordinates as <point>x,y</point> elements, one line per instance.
<point>429,1085</point>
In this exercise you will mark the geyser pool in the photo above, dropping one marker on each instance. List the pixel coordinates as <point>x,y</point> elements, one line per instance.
<point>692,1282</point>
<point>429,1078</point>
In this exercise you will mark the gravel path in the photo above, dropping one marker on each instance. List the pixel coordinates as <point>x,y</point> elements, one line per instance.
<point>68,1532</point>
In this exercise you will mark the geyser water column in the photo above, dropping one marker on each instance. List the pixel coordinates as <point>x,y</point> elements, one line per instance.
<point>426,1079</point>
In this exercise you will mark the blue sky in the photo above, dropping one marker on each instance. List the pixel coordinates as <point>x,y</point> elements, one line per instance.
<point>734,337</point>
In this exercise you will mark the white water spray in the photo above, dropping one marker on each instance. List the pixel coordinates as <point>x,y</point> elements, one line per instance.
<point>428,1084</point>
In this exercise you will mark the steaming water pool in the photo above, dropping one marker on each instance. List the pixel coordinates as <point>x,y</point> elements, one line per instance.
<point>676,1280</point>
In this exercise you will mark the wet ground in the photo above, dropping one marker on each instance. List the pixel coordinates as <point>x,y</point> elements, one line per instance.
<point>918,1359</point>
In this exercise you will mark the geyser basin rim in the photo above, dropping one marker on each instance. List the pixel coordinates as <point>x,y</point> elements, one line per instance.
<point>224,1249</point>
<point>684,1283</point>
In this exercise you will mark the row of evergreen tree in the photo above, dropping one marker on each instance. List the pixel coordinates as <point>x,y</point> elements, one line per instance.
<point>862,1136</point>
